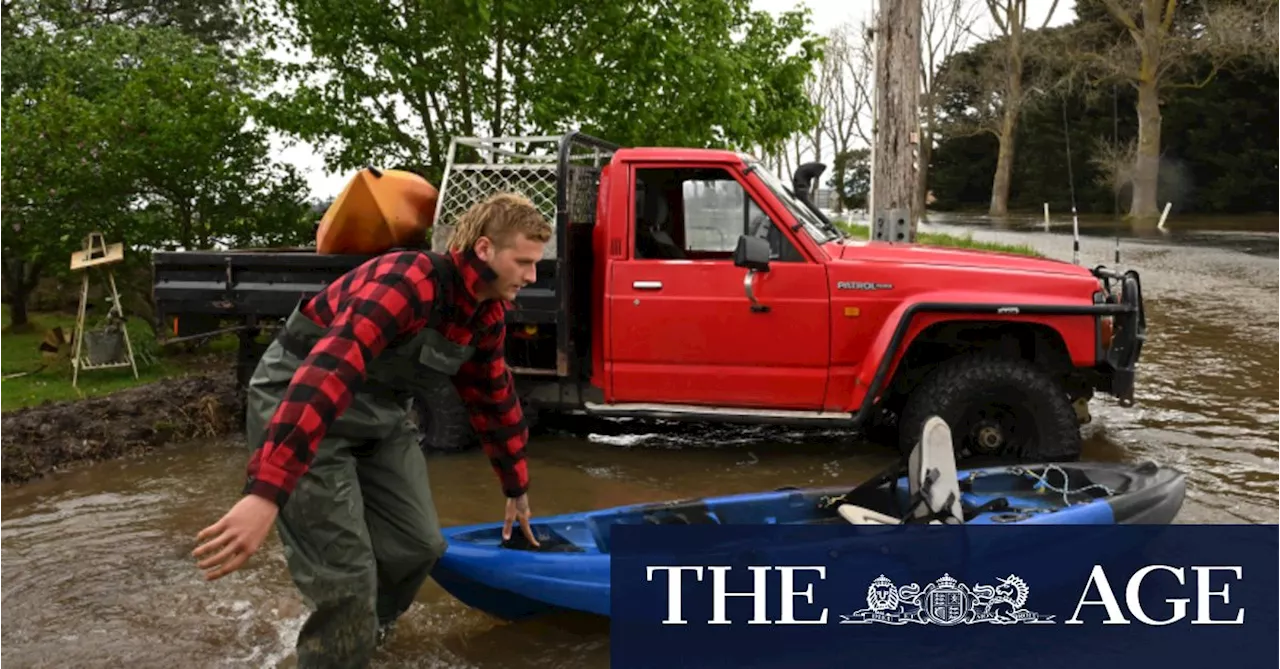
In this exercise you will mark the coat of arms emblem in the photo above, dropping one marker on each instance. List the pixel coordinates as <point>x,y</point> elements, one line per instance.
<point>946,602</point>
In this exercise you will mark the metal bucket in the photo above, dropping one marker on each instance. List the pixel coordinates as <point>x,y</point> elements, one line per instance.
<point>104,347</point>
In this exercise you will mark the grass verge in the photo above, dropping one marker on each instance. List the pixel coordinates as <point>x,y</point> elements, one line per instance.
<point>49,379</point>
<point>858,231</point>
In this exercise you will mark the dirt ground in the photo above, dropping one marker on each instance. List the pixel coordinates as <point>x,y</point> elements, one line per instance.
<point>38,440</point>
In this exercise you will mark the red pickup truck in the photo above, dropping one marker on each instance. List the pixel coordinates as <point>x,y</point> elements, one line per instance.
<point>695,285</point>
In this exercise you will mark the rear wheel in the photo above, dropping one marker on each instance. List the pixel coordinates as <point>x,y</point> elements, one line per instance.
<point>444,424</point>
<point>247,356</point>
<point>998,407</point>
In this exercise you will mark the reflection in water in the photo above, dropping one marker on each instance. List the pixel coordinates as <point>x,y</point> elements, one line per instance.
<point>96,561</point>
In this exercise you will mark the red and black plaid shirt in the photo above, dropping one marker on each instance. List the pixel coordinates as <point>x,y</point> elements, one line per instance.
<point>386,299</point>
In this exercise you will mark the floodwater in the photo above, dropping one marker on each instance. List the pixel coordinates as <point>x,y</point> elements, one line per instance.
<point>96,562</point>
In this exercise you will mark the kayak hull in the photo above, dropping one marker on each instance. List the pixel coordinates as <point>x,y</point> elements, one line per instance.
<point>570,571</point>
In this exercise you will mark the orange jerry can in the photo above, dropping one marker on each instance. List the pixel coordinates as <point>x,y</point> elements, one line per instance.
<point>376,211</point>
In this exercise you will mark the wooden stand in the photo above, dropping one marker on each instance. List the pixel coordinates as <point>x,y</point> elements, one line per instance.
<point>96,252</point>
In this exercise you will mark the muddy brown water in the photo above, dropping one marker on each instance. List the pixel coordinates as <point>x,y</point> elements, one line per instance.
<point>96,570</point>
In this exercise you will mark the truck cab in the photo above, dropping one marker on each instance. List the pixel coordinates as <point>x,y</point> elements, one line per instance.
<point>693,284</point>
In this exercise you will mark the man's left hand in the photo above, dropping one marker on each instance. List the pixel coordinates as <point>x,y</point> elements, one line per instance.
<point>518,507</point>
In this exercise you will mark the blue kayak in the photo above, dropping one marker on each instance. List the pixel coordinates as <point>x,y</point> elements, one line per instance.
<point>569,570</point>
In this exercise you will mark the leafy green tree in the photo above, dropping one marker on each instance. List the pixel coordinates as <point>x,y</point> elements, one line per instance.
<point>213,22</point>
<point>391,82</point>
<point>851,178</point>
<point>60,174</point>
<point>196,152</point>
<point>145,134</point>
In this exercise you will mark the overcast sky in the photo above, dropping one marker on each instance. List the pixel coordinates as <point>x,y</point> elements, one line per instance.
<point>825,15</point>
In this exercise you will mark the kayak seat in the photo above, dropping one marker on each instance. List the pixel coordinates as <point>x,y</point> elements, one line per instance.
<point>933,484</point>
<point>932,479</point>
<point>861,515</point>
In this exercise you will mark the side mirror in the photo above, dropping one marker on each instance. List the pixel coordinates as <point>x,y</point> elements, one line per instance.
<point>752,253</point>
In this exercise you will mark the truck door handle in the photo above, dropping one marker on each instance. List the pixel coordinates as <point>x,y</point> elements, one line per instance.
<point>647,285</point>
<point>749,285</point>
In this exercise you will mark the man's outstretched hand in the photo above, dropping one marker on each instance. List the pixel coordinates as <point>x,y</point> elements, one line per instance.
<point>518,507</point>
<point>229,542</point>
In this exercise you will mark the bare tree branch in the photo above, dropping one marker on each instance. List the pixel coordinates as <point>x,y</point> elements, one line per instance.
<point>943,27</point>
<point>858,63</point>
<point>1168,16</point>
<point>839,86</point>
<point>1048,17</point>
<point>1122,15</point>
<point>1000,90</point>
<point>998,16</point>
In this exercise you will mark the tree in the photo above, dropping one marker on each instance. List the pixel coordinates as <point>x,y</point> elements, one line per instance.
<point>1161,45</point>
<point>198,156</point>
<point>944,25</point>
<point>838,88</point>
<point>1009,94</point>
<point>213,22</point>
<point>854,169</point>
<point>142,133</point>
<point>60,177</point>
<point>378,89</point>
<point>897,98</point>
<point>846,70</point>
<point>1217,143</point>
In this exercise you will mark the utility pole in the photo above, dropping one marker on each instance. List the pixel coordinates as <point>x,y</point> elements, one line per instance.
<point>875,120</point>
<point>897,121</point>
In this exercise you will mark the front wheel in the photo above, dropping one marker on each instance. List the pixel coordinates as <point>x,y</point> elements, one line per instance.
<point>998,407</point>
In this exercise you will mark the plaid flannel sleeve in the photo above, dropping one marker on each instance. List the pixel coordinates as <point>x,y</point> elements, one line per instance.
<point>486,386</point>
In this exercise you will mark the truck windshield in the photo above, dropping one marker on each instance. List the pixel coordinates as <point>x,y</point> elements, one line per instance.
<point>821,231</point>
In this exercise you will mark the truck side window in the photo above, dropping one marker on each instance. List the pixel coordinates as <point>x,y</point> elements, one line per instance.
<point>717,210</point>
<point>653,225</point>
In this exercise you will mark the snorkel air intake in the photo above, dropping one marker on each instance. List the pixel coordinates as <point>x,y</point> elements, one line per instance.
<point>800,183</point>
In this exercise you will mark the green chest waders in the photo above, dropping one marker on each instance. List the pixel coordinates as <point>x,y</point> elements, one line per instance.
<point>360,530</point>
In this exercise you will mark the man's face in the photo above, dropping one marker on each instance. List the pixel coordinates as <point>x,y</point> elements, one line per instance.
<point>515,264</point>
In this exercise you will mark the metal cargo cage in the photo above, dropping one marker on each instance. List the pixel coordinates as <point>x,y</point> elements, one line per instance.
<point>533,166</point>
<point>561,175</point>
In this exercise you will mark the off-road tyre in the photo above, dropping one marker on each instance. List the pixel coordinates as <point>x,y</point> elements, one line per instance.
<point>1033,413</point>
<point>881,428</point>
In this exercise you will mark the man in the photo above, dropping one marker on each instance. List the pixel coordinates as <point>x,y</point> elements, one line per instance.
<point>337,464</point>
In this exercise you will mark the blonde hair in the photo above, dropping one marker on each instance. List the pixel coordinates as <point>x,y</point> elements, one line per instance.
<point>500,217</point>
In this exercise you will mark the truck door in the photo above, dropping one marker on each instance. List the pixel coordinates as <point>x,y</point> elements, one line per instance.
<point>682,328</point>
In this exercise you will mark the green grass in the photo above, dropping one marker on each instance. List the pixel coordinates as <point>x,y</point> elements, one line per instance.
<point>949,241</point>
<point>19,352</point>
